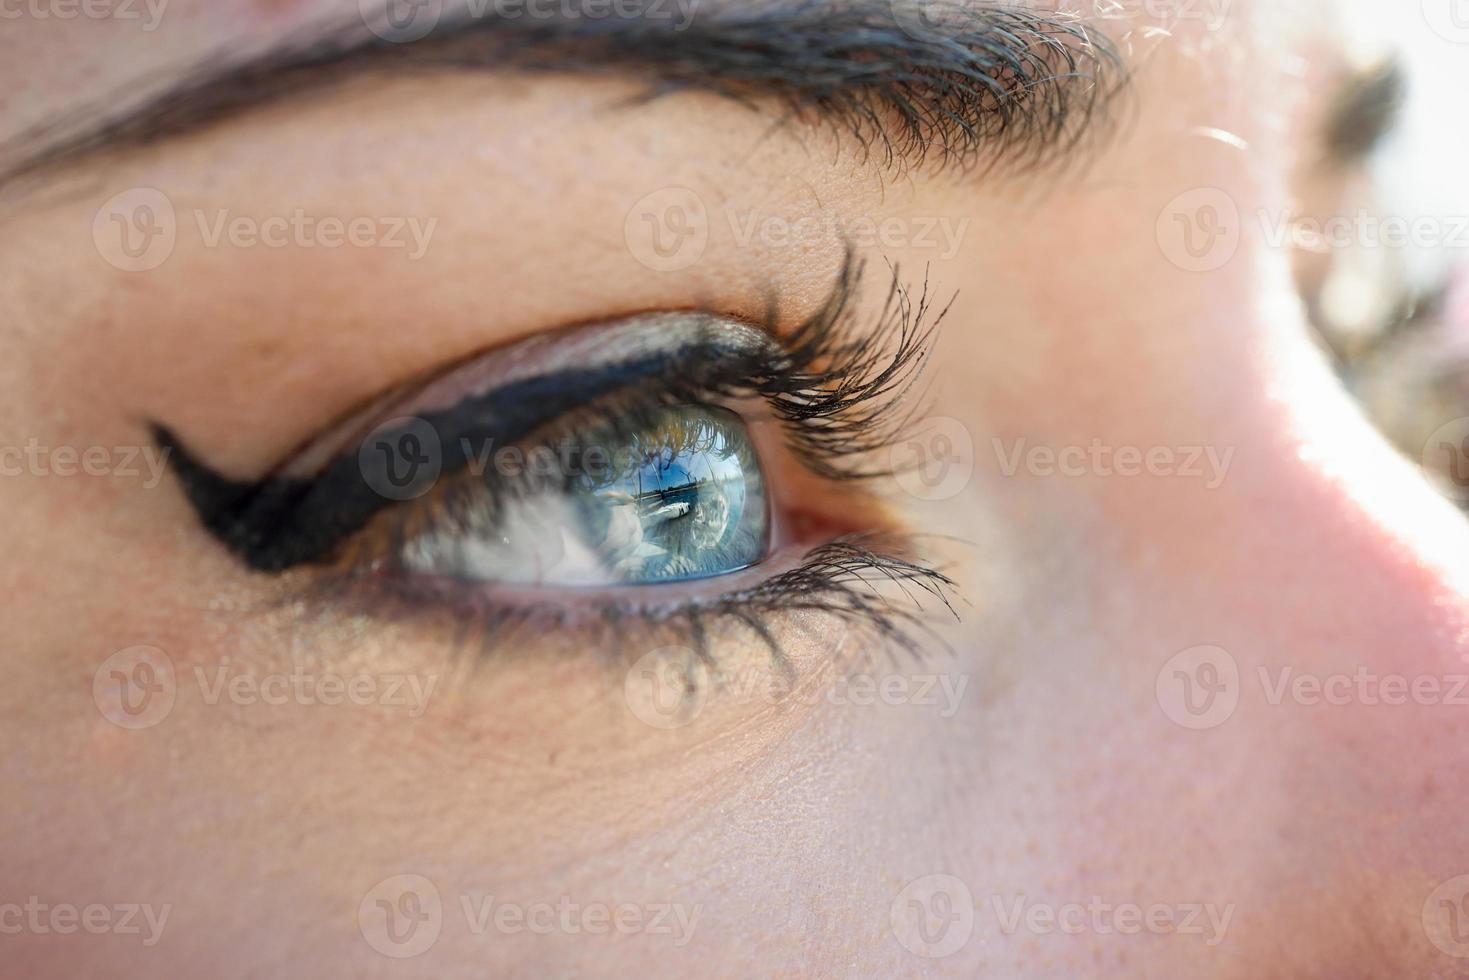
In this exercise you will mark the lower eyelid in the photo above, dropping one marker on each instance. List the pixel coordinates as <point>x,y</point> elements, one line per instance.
<point>862,583</point>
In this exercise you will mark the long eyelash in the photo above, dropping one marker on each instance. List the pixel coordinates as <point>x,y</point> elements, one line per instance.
<point>841,387</point>
<point>843,578</point>
<point>835,386</point>
<point>834,579</point>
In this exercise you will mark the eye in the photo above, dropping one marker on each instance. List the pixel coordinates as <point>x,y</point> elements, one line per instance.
<point>672,469</point>
<point>681,496</point>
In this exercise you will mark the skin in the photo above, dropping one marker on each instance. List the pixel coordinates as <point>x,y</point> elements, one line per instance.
<point>784,831</point>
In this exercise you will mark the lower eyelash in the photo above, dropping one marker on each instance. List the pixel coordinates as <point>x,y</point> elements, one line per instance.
<point>841,578</point>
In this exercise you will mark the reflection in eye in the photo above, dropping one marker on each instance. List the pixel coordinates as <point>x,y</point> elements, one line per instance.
<point>680,497</point>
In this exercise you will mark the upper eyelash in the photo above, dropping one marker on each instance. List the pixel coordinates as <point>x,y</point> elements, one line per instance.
<point>832,384</point>
<point>840,386</point>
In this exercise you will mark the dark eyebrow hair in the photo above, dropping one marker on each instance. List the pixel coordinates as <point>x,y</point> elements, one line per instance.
<point>1365,111</point>
<point>972,84</point>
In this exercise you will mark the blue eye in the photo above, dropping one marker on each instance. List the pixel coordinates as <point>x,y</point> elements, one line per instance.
<point>681,496</point>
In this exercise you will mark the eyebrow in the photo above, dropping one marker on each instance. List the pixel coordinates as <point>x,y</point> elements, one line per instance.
<point>972,84</point>
<point>1365,111</point>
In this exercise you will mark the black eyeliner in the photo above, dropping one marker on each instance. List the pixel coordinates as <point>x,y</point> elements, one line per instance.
<point>276,523</point>
<point>833,384</point>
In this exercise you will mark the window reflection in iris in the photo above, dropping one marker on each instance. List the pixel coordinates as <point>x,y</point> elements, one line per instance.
<point>681,498</point>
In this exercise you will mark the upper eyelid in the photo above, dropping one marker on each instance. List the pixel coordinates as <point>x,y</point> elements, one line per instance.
<point>283,520</point>
<point>621,345</point>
